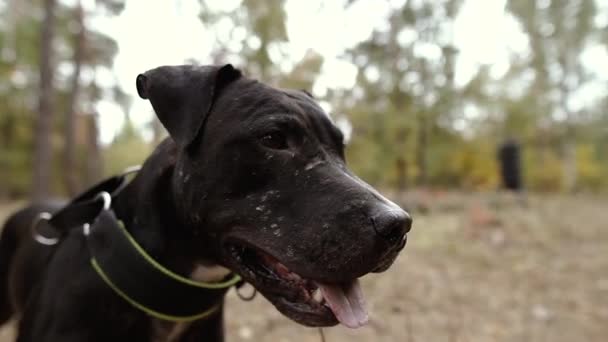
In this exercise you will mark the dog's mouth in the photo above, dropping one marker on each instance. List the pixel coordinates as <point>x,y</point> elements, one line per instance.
<point>306,301</point>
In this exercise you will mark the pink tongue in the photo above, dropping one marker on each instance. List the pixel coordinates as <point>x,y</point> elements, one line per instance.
<point>347,303</point>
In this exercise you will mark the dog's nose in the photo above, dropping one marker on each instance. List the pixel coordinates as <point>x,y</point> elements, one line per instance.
<point>392,224</point>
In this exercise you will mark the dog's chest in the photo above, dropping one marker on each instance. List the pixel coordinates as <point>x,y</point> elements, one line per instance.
<point>164,331</point>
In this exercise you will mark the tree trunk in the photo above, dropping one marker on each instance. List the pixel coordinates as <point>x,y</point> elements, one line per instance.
<point>8,130</point>
<point>401,167</point>
<point>421,150</point>
<point>570,169</point>
<point>43,148</point>
<point>70,160</point>
<point>94,158</point>
<point>400,162</point>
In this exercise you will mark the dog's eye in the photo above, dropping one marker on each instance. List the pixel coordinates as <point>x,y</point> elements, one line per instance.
<point>275,140</point>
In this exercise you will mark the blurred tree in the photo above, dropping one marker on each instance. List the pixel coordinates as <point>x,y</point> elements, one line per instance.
<point>42,133</point>
<point>256,33</point>
<point>70,176</point>
<point>559,32</point>
<point>20,51</point>
<point>103,50</point>
<point>406,85</point>
<point>304,73</point>
<point>94,158</point>
<point>411,123</point>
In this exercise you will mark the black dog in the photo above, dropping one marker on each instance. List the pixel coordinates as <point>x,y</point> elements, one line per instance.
<point>253,179</point>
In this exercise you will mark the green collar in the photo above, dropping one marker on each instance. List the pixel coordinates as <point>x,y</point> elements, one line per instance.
<point>144,283</point>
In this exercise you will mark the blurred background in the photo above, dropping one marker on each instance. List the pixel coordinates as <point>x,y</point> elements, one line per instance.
<point>426,93</point>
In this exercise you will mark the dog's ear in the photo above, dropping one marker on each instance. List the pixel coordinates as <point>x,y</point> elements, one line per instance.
<point>183,95</point>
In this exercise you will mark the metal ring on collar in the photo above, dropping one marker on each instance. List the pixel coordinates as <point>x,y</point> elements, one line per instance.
<point>107,199</point>
<point>38,237</point>
<point>86,229</point>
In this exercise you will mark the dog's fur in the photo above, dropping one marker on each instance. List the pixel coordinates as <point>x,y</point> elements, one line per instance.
<point>248,170</point>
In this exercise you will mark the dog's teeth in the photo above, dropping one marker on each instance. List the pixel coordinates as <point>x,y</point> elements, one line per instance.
<point>318,296</point>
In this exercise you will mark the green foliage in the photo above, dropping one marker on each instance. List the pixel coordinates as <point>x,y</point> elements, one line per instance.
<point>592,174</point>
<point>304,73</point>
<point>408,116</point>
<point>543,170</point>
<point>19,63</point>
<point>263,22</point>
<point>412,124</point>
<point>406,109</point>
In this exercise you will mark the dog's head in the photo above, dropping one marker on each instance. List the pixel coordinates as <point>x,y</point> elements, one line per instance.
<point>261,172</point>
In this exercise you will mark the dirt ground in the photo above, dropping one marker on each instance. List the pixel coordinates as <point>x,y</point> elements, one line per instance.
<point>482,267</point>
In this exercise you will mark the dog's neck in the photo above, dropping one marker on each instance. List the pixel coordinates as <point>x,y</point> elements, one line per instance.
<point>146,208</point>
